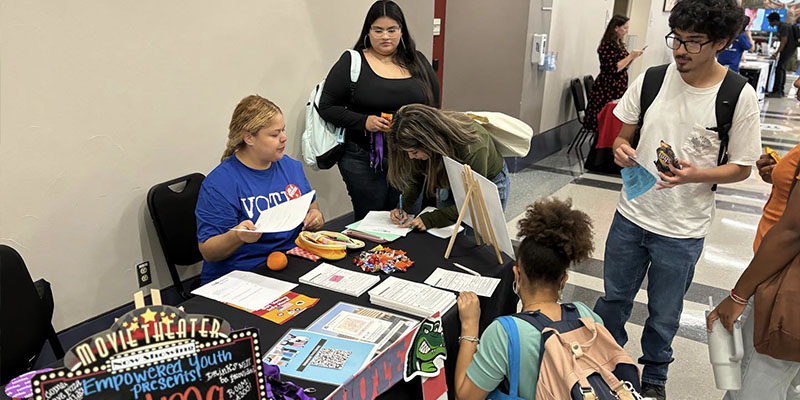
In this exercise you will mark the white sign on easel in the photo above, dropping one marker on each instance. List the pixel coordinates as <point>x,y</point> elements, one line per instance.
<point>491,199</point>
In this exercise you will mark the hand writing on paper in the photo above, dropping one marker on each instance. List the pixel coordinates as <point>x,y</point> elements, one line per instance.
<point>415,223</point>
<point>687,174</point>
<point>469,312</point>
<point>313,220</point>
<point>247,237</point>
<point>398,216</point>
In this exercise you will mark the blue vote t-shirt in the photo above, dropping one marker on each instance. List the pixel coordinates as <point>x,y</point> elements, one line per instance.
<point>232,193</point>
<point>732,56</point>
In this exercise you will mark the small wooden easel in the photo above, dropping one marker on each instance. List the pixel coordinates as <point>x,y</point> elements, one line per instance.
<point>482,226</point>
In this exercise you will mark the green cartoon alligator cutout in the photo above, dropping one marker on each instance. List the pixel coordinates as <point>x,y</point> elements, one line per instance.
<point>426,347</point>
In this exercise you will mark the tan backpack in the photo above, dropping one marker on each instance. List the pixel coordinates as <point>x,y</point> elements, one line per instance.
<point>579,360</point>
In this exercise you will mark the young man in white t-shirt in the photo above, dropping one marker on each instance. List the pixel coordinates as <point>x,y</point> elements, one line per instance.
<point>660,233</point>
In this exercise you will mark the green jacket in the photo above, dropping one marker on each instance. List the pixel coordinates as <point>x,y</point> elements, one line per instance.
<point>481,156</point>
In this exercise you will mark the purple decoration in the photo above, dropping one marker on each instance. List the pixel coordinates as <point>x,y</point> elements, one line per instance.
<point>20,387</point>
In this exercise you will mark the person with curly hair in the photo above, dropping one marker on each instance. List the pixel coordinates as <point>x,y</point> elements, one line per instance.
<point>554,237</point>
<point>660,234</point>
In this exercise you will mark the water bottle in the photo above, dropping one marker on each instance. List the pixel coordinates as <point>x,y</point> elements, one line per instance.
<point>725,350</point>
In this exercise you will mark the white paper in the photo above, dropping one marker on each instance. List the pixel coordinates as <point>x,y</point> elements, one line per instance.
<point>283,217</point>
<point>411,297</point>
<point>461,282</point>
<point>443,233</point>
<point>245,289</point>
<point>381,222</point>
<point>490,196</point>
<point>340,280</point>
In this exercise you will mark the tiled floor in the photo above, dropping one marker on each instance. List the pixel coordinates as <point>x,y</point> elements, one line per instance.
<point>728,247</point>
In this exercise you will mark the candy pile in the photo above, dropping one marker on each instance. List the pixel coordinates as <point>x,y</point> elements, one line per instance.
<point>383,259</point>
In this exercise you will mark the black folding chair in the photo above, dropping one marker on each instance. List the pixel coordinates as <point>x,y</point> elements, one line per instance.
<point>27,314</point>
<point>172,209</point>
<point>588,82</point>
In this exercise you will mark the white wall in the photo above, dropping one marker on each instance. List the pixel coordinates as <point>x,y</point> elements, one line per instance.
<point>99,100</point>
<point>575,31</point>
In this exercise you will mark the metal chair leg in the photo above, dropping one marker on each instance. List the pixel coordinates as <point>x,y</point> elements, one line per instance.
<point>575,139</point>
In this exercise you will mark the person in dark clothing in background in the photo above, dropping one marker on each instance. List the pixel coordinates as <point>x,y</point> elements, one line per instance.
<point>393,74</point>
<point>785,52</point>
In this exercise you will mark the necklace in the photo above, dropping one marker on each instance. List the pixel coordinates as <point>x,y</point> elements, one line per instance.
<point>526,306</point>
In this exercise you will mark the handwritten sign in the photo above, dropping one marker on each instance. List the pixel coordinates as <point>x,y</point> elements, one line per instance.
<point>159,353</point>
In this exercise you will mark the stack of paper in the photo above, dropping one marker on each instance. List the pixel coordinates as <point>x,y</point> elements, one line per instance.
<point>244,289</point>
<point>340,280</point>
<point>461,282</point>
<point>379,224</point>
<point>411,297</point>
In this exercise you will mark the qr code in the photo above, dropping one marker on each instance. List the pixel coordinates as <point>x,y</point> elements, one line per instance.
<point>330,358</point>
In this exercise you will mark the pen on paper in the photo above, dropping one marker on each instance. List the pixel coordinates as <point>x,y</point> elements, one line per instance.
<point>469,271</point>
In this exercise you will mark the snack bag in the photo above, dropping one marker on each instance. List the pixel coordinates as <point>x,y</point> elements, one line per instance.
<point>769,151</point>
<point>665,157</point>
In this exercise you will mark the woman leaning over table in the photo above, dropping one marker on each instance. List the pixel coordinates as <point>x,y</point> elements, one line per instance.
<point>253,176</point>
<point>393,74</point>
<point>420,138</point>
<point>777,242</point>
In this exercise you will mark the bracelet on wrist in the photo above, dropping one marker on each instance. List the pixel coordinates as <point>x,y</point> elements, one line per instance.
<point>469,338</point>
<point>738,300</point>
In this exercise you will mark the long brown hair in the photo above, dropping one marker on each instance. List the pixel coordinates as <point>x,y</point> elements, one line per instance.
<point>251,114</point>
<point>611,31</point>
<point>421,127</point>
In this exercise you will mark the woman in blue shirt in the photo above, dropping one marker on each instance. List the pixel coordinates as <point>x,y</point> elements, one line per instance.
<point>254,176</point>
<point>732,56</point>
<point>555,236</point>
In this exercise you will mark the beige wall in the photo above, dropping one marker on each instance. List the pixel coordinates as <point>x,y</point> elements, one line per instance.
<point>575,30</point>
<point>657,52</point>
<point>639,19</point>
<point>484,51</point>
<point>102,99</point>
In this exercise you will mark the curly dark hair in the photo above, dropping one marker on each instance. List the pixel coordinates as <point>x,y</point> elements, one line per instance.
<point>555,236</point>
<point>718,19</point>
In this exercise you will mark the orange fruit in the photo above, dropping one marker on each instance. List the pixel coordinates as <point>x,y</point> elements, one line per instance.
<point>277,261</point>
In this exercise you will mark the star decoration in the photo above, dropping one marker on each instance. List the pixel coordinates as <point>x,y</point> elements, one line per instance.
<point>149,316</point>
<point>166,320</point>
<point>134,326</point>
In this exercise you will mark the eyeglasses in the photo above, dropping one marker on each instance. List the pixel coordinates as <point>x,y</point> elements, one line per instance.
<point>690,46</point>
<point>391,31</point>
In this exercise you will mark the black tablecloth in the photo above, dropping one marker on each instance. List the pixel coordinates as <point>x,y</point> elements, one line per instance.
<point>428,253</point>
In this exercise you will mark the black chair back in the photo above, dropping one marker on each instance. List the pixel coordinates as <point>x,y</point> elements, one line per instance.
<point>173,216</point>
<point>588,82</point>
<point>26,321</point>
<point>578,98</point>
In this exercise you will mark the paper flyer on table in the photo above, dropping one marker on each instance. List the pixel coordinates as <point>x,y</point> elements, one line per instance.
<point>320,358</point>
<point>286,307</point>
<point>283,217</point>
<point>461,282</point>
<point>381,222</point>
<point>637,180</point>
<point>442,233</point>
<point>366,324</point>
<point>244,289</point>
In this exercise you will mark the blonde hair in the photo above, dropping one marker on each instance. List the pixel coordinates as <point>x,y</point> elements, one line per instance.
<point>251,114</point>
<point>421,127</point>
